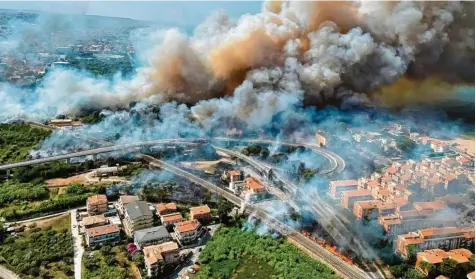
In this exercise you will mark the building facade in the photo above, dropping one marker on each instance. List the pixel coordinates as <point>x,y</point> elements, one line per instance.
<point>187,232</point>
<point>336,187</point>
<point>350,197</point>
<point>445,238</point>
<point>201,213</point>
<point>96,204</point>
<point>102,234</point>
<point>137,216</point>
<point>94,221</point>
<point>157,256</point>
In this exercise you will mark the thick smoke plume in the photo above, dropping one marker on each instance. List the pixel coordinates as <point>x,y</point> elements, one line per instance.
<point>315,53</point>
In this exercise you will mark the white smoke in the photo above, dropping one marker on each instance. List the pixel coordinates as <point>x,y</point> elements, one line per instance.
<point>289,53</point>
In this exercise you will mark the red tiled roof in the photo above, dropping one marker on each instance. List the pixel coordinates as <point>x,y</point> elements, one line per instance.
<point>340,183</point>
<point>166,206</point>
<point>367,204</point>
<point>385,205</point>
<point>204,209</point>
<point>445,230</point>
<point>97,199</point>
<point>102,230</point>
<point>391,170</point>
<point>187,226</point>
<point>173,217</point>
<point>386,178</point>
<point>373,183</point>
<point>253,183</point>
<point>400,201</point>
<point>357,193</point>
<point>406,177</point>
<point>434,180</point>
<point>234,172</point>
<point>384,192</point>
<point>449,177</point>
<point>434,205</point>
<point>127,199</point>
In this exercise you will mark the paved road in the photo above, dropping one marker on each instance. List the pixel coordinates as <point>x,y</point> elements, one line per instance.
<point>335,262</point>
<point>7,273</point>
<point>78,247</point>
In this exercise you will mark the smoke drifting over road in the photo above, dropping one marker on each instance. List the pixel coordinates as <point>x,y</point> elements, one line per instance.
<point>291,53</point>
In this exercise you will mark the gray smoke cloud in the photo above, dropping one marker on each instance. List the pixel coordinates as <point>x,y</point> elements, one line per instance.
<point>289,52</point>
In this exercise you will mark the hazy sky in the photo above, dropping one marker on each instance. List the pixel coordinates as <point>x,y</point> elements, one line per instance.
<point>173,12</point>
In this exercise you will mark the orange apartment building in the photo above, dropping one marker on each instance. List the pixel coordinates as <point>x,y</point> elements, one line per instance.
<point>187,232</point>
<point>336,187</point>
<point>350,197</point>
<point>446,238</point>
<point>422,215</point>
<point>200,213</point>
<point>373,209</point>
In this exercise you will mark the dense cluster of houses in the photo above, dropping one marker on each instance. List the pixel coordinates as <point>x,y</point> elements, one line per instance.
<point>410,199</point>
<point>161,245</point>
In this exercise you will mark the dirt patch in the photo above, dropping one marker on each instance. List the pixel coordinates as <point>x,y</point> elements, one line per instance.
<point>85,179</point>
<point>62,182</point>
<point>204,165</point>
<point>49,222</point>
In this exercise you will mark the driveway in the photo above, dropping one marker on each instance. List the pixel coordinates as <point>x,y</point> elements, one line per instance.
<point>78,247</point>
<point>7,274</point>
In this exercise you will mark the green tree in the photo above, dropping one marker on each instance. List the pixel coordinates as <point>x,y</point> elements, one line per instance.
<point>264,153</point>
<point>448,268</point>
<point>412,250</point>
<point>413,274</point>
<point>224,207</point>
<point>399,270</point>
<point>75,189</point>
<point>138,259</point>
<point>428,267</point>
<point>405,144</point>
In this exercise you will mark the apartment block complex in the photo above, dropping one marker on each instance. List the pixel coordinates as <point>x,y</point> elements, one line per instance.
<point>446,238</point>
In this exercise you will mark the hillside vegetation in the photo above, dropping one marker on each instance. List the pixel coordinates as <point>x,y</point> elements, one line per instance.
<point>16,140</point>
